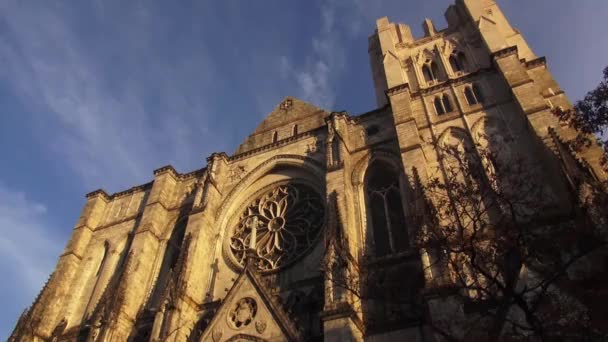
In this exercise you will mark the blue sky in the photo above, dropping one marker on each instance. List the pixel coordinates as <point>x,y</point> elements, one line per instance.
<point>98,94</point>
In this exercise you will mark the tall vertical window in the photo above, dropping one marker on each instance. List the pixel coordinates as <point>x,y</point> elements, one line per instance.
<point>438,106</point>
<point>430,71</point>
<point>473,94</point>
<point>386,209</point>
<point>447,105</point>
<point>434,70</point>
<point>458,61</point>
<point>275,136</point>
<point>477,93</point>
<point>426,71</point>
<point>294,130</point>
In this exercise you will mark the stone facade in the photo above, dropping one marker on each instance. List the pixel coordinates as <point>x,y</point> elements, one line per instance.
<point>235,251</point>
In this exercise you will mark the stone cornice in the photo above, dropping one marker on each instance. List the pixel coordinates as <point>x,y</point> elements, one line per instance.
<point>540,61</point>
<point>296,119</point>
<point>146,186</point>
<point>125,219</point>
<point>219,155</point>
<point>279,143</point>
<point>342,310</point>
<point>99,192</point>
<point>79,257</point>
<point>131,190</point>
<point>465,78</point>
<point>106,197</point>
<point>424,40</point>
<point>177,175</point>
<point>508,51</point>
<point>397,89</point>
<point>165,169</point>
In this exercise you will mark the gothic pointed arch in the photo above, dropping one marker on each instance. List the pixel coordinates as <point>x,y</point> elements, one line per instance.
<point>492,137</point>
<point>469,96</point>
<point>458,155</point>
<point>385,205</point>
<point>250,309</point>
<point>283,198</point>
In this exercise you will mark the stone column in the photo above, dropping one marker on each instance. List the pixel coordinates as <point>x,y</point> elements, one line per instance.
<point>339,316</point>
<point>199,269</point>
<point>144,249</point>
<point>48,309</point>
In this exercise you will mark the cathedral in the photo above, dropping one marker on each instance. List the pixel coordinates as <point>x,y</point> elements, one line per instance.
<point>252,246</point>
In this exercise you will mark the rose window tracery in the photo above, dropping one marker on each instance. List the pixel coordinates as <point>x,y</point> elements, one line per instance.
<point>283,222</point>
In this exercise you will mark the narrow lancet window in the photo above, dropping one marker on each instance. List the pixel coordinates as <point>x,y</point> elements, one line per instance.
<point>438,106</point>
<point>447,105</point>
<point>468,93</point>
<point>386,210</point>
<point>428,76</point>
<point>477,93</point>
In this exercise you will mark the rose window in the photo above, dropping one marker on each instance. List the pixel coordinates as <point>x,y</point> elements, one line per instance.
<point>278,226</point>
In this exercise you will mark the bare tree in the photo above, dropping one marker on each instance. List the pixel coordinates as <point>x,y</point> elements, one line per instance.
<point>500,238</point>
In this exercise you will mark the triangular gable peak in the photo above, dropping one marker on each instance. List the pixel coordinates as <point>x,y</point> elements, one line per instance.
<point>249,313</point>
<point>289,112</point>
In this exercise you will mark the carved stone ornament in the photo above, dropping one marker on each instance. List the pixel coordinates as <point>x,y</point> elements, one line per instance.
<point>313,147</point>
<point>237,173</point>
<point>216,335</point>
<point>286,105</point>
<point>260,326</point>
<point>285,219</point>
<point>243,313</point>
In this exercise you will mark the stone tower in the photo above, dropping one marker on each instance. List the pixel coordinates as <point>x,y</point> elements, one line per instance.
<point>251,246</point>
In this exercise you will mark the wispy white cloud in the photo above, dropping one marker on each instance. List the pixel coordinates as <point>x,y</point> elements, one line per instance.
<point>24,227</point>
<point>112,113</point>
<point>318,77</point>
<point>27,252</point>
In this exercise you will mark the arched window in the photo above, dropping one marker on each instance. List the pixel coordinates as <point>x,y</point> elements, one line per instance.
<point>473,95</point>
<point>275,136</point>
<point>447,105</point>
<point>455,64</point>
<point>428,76</point>
<point>294,130</point>
<point>468,93</point>
<point>386,209</point>
<point>438,106</point>
<point>477,93</point>
<point>434,70</point>
<point>462,60</point>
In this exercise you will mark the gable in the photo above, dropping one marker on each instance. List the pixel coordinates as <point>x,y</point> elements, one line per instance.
<point>248,313</point>
<point>291,111</point>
